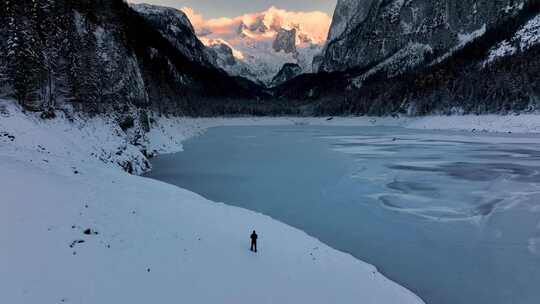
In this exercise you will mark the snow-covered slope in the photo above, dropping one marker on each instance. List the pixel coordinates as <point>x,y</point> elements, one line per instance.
<point>262,43</point>
<point>155,243</point>
<point>527,37</point>
<point>77,229</point>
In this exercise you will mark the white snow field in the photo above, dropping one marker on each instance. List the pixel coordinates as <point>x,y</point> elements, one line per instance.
<point>156,243</point>
<point>150,242</point>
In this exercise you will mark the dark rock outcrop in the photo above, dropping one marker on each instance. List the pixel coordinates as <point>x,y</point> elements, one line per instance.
<point>174,25</point>
<point>285,41</point>
<point>287,72</point>
<point>223,54</point>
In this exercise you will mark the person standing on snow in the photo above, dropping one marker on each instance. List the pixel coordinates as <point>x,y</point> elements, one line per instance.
<point>254,237</point>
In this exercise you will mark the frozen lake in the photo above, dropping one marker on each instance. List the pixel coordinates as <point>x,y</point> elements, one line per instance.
<point>454,217</point>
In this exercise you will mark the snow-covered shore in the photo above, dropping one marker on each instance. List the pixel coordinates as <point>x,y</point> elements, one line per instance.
<point>524,123</point>
<point>154,242</point>
<point>151,242</point>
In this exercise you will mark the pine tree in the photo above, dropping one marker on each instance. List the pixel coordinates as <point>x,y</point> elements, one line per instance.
<point>22,49</point>
<point>90,76</point>
<point>53,20</point>
<point>3,47</point>
<point>82,61</point>
<point>48,35</point>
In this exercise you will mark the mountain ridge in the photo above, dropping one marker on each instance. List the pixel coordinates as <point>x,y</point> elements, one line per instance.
<point>367,32</point>
<point>463,81</point>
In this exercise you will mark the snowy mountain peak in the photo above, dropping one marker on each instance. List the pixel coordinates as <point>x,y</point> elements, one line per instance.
<point>259,25</point>
<point>263,42</point>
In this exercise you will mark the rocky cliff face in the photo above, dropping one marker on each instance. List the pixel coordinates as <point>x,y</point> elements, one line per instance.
<point>176,27</point>
<point>366,33</point>
<point>223,54</point>
<point>287,72</point>
<point>285,41</point>
<point>484,59</point>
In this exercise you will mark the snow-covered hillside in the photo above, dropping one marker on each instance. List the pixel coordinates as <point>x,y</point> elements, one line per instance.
<point>262,43</point>
<point>527,37</point>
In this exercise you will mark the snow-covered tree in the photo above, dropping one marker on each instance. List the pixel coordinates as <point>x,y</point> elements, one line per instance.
<point>52,15</point>
<point>22,52</point>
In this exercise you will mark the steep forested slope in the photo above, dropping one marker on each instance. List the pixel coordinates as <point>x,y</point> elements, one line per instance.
<point>101,55</point>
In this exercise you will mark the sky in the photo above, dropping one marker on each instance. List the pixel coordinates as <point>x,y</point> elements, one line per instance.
<point>233,8</point>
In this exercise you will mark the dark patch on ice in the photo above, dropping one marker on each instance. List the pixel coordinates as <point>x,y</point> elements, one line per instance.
<point>530,153</point>
<point>386,202</point>
<point>413,168</point>
<point>437,214</point>
<point>451,141</point>
<point>504,154</point>
<point>354,145</point>
<point>487,208</point>
<point>483,210</point>
<point>410,187</point>
<point>470,171</point>
<point>492,171</point>
<point>481,172</point>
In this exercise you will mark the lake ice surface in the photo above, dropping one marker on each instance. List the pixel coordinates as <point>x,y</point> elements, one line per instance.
<point>453,216</point>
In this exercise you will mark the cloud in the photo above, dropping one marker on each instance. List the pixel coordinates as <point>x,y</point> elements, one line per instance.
<point>196,19</point>
<point>313,25</point>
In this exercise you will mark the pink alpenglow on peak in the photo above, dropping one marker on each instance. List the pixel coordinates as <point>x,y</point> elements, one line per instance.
<point>262,43</point>
<point>312,26</point>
